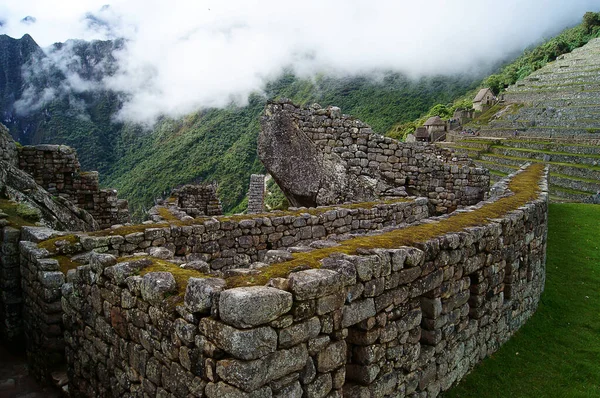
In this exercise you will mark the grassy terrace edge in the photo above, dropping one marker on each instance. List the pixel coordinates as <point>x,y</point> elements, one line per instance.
<point>525,187</point>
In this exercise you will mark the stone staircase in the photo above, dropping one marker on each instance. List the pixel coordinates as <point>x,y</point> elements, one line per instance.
<point>552,116</point>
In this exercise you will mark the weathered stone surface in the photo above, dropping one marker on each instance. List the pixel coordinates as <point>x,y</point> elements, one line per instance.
<point>244,344</point>
<point>201,293</point>
<point>315,283</point>
<point>358,311</point>
<point>251,375</point>
<point>247,307</point>
<point>121,271</point>
<point>223,390</point>
<point>155,285</point>
<point>332,357</point>
<point>299,333</point>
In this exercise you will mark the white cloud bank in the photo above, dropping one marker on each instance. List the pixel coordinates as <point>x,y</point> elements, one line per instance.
<point>183,55</point>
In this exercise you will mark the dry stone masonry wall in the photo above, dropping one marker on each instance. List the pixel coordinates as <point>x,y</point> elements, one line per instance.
<point>408,321</point>
<point>227,242</point>
<point>230,248</point>
<point>188,202</point>
<point>11,327</point>
<point>256,194</point>
<point>320,156</point>
<point>56,169</point>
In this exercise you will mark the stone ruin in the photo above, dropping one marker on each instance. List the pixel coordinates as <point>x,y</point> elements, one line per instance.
<point>321,157</point>
<point>256,194</point>
<point>356,299</point>
<point>188,202</point>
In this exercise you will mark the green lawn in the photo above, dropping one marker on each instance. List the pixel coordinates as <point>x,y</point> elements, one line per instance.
<point>557,352</point>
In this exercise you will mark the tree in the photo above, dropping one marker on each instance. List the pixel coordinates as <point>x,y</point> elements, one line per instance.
<point>591,20</point>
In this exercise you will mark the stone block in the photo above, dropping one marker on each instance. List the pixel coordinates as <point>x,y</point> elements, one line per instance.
<point>358,311</point>
<point>251,375</point>
<point>201,293</point>
<point>332,357</point>
<point>299,333</point>
<point>155,285</point>
<point>246,307</point>
<point>314,283</point>
<point>244,344</point>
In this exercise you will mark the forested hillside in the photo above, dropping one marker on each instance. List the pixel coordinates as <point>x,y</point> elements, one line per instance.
<point>40,104</point>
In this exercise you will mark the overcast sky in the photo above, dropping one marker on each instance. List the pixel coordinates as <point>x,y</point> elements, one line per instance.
<point>182,55</point>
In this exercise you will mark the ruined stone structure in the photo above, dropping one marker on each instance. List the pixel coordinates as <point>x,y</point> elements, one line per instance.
<point>368,299</point>
<point>320,157</point>
<point>187,202</point>
<point>256,194</point>
<point>47,181</point>
<point>56,169</point>
<point>377,322</point>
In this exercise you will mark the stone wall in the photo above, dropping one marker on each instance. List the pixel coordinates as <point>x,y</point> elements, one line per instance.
<point>256,194</point>
<point>8,148</point>
<point>42,313</point>
<point>221,244</point>
<point>320,156</point>
<point>231,242</point>
<point>11,327</point>
<point>382,322</point>
<point>198,200</point>
<point>56,169</point>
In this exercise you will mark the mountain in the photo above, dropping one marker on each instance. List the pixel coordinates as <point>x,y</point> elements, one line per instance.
<point>54,96</point>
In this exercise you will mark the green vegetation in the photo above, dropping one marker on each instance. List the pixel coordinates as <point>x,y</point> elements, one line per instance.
<point>28,213</point>
<point>555,354</point>
<point>530,61</point>
<point>539,56</point>
<point>15,217</point>
<point>220,144</point>
<point>275,199</point>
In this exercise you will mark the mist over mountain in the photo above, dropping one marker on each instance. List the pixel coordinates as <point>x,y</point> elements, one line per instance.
<point>154,99</point>
<point>205,54</point>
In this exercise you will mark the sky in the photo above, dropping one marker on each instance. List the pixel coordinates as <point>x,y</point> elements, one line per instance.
<point>183,55</point>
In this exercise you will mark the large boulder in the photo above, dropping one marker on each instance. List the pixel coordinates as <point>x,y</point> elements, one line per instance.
<point>307,175</point>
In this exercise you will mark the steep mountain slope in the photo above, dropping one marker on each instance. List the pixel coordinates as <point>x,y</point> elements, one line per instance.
<point>220,144</point>
<point>54,96</point>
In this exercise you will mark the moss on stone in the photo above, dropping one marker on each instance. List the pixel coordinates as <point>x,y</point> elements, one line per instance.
<point>166,214</point>
<point>15,218</point>
<point>50,244</point>
<point>66,263</point>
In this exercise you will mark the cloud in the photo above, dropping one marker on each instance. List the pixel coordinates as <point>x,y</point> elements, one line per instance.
<point>183,55</point>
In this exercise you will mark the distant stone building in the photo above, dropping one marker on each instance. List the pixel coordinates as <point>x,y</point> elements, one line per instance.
<point>485,97</point>
<point>435,130</point>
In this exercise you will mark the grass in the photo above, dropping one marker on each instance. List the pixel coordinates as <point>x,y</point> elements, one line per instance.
<point>555,354</point>
<point>525,189</point>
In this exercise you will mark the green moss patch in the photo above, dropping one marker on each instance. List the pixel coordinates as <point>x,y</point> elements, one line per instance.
<point>181,275</point>
<point>16,216</point>
<point>525,188</point>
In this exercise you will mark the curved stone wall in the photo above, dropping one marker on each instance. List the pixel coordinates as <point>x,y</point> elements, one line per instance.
<point>392,319</point>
